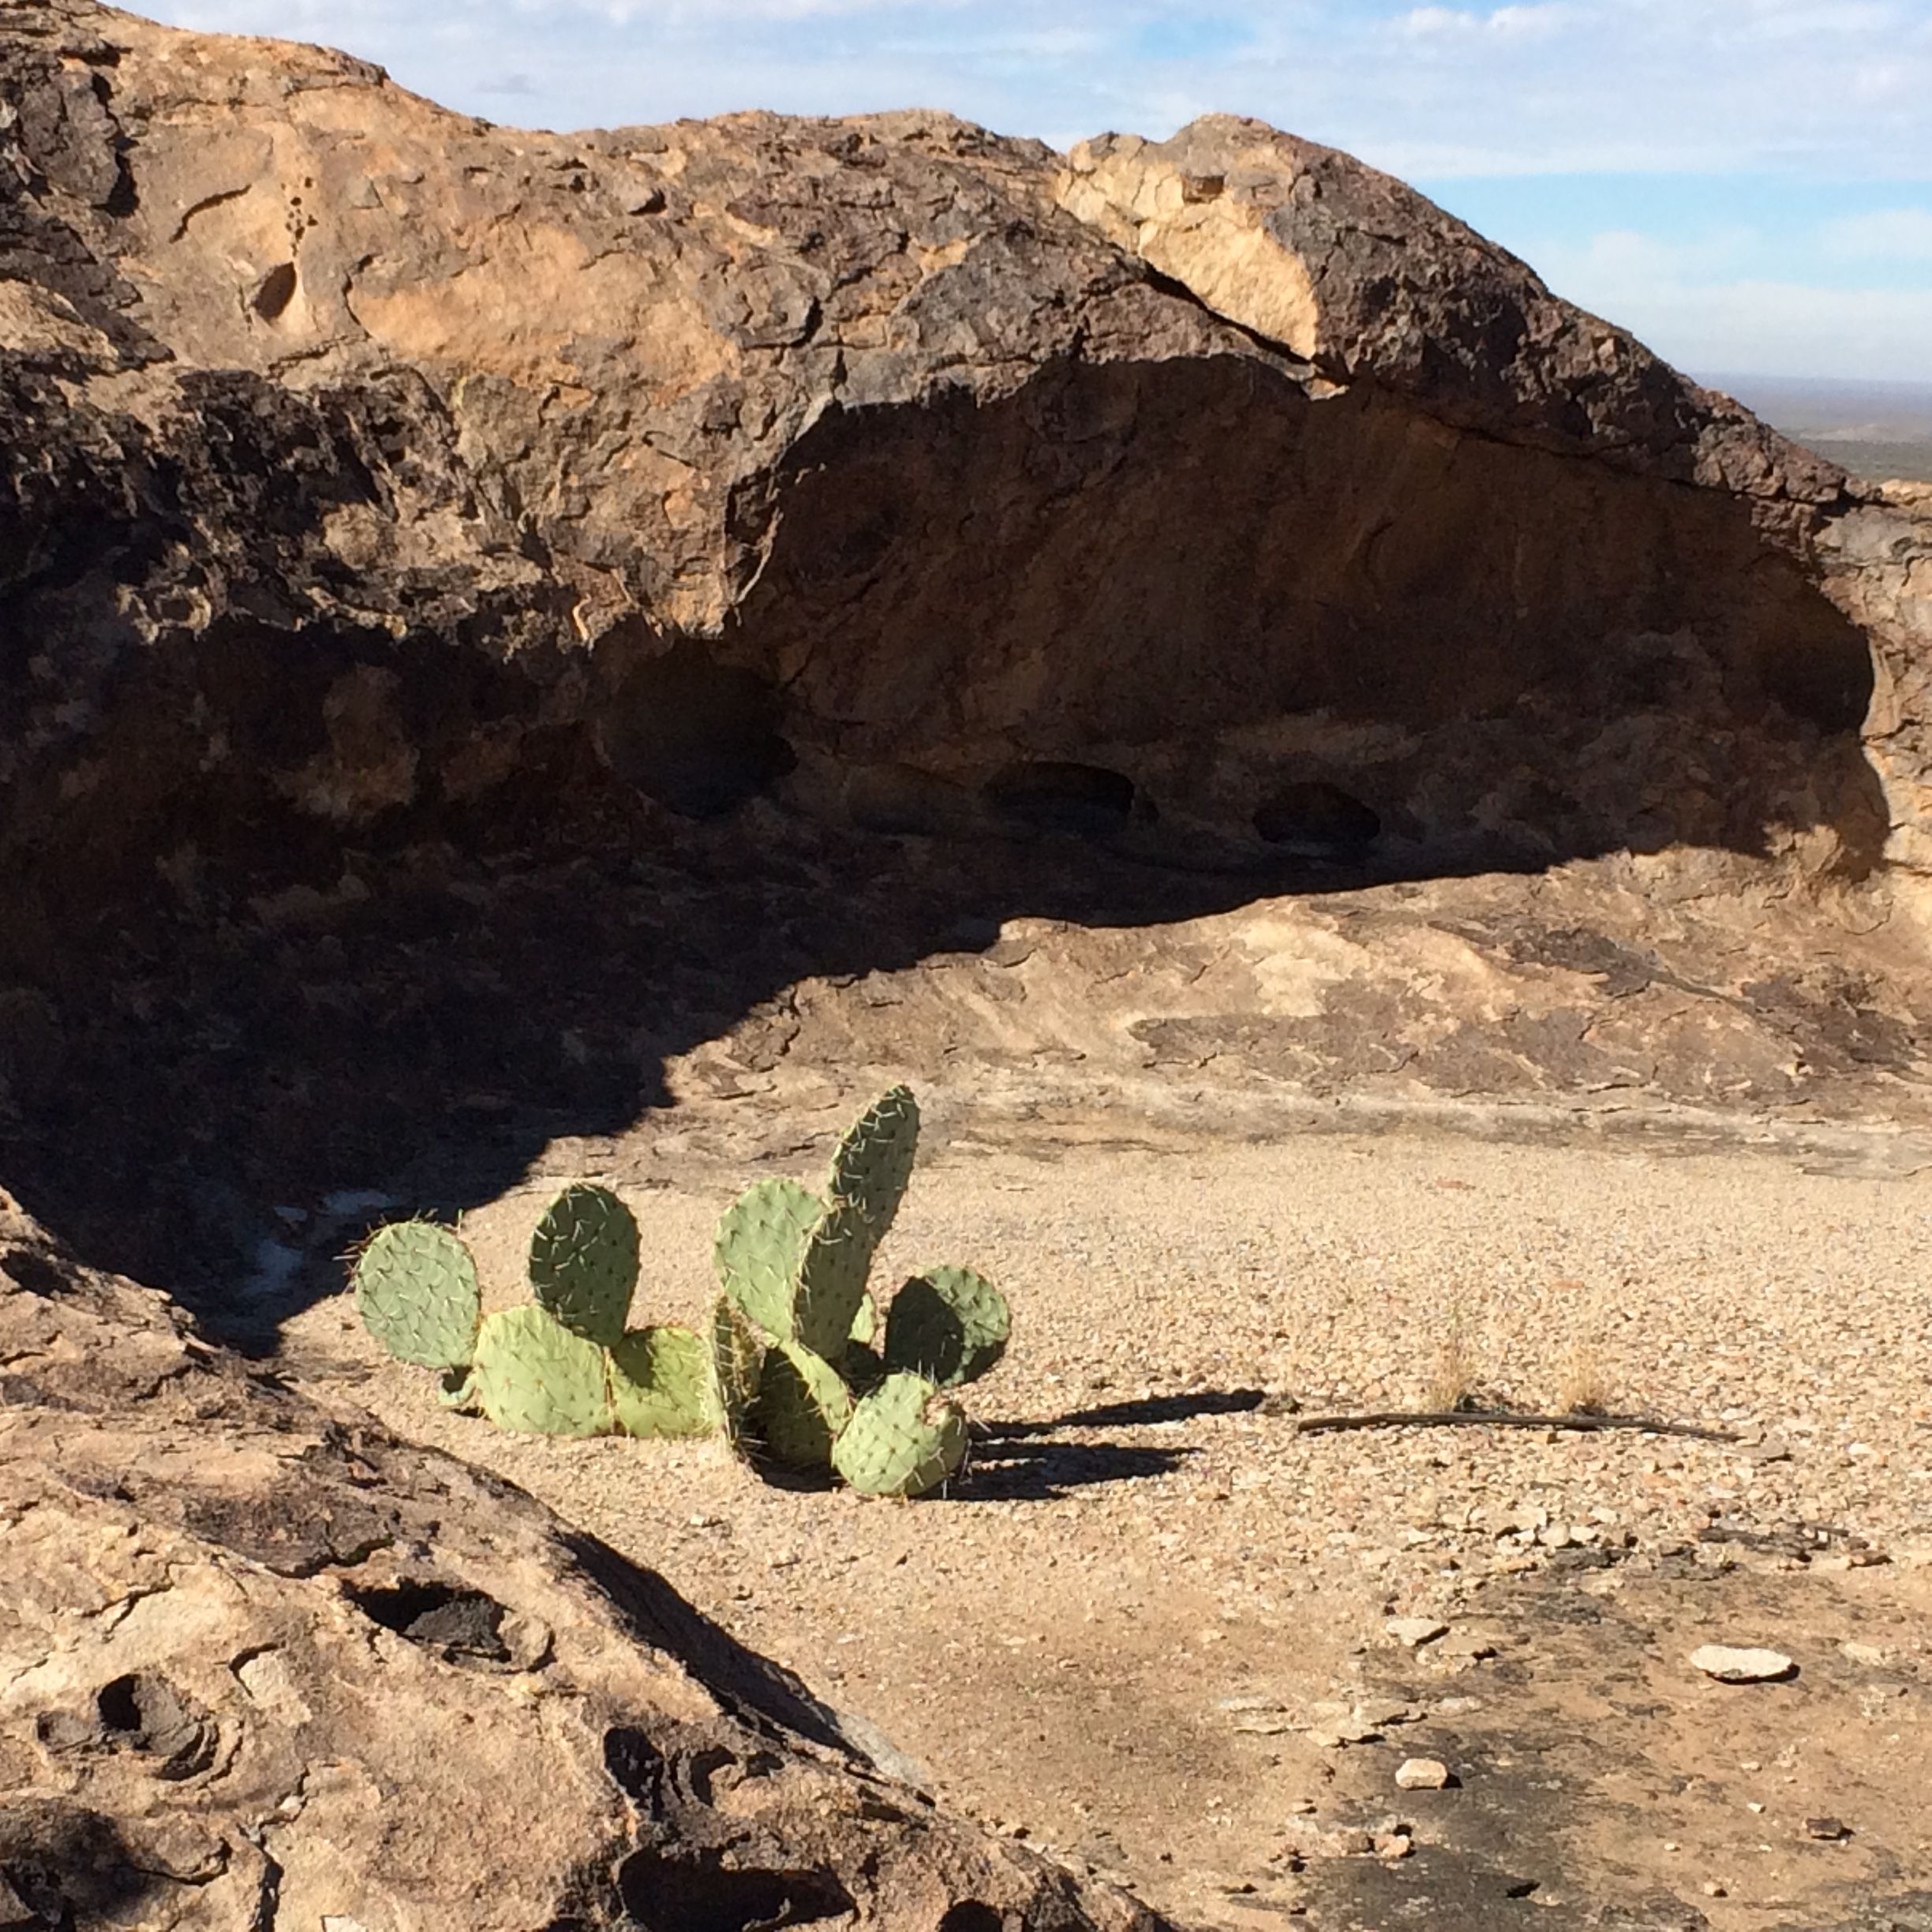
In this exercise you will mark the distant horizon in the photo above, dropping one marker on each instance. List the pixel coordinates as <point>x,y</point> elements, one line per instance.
<point>1742,187</point>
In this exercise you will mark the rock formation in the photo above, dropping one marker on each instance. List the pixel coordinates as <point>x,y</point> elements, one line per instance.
<point>504,629</point>
<point>260,1665</point>
<point>895,465</point>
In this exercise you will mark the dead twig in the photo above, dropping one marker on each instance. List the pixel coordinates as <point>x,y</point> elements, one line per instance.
<point>1502,1418</point>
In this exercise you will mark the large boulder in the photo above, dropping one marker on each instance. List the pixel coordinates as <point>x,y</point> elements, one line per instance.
<point>369,467</point>
<point>261,1664</point>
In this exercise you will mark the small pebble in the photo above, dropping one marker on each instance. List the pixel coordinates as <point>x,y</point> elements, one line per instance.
<point>1422,1774</point>
<point>1411,1632</point>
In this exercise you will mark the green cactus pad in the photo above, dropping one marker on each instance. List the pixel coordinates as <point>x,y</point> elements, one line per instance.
<point>737,1364</point>
<point>832,1268</point>
<point>904,1439</point>
<point>802,1406</point>
<point>583,1263</point>
<point>662,1383</point>
<point>416,1290</point>
<point>874,1161</point>
<point>865,1326</point>
<point>760,1247</point>
<point>948,1324</point>
<point>533,1374</point>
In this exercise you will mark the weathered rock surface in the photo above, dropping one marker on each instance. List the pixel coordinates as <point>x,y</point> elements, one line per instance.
<point>501,632</point>
<point>606,620</point>
<point>262,1665</point>
<point>387,466</point>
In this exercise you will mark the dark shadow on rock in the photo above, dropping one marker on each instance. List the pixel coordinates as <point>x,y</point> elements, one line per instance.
<point>751,1686</point>
<point>63,1866</point>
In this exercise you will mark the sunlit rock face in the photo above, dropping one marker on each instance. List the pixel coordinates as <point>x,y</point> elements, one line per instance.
<point>370,466</point>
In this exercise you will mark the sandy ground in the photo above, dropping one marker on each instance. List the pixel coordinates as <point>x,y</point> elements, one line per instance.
<point>1148,1626</point>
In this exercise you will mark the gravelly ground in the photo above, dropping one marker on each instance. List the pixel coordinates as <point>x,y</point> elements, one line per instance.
<point>1142,1535</point>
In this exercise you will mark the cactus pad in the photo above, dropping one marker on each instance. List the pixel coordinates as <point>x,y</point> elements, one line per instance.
<point>874,1161</point>
<point>533,1374</point>
<point>865,1323</point>
<point>948,1324</point>
<point>760,1247</point>
<point>904,1439</point>
<point>802,1406</point>
<point>837,1257</point>
<point>583,1263</point>
<point>662,1383</point>
<point>416,1290</point>
<point>737,1364</point>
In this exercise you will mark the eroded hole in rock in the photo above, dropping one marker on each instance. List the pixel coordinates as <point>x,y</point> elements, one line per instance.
<point>1062,794</point>
<point>636,1768</point>
<point>143,1712</point>
<point>276,292</point>
<point>463,1625</point>
<point>695,735</point>
<point>698,1893</point>
<point>1318,820</point>
<point>971,1915</point>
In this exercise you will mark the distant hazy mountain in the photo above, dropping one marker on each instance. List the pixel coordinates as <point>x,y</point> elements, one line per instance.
<point>1875,429</point>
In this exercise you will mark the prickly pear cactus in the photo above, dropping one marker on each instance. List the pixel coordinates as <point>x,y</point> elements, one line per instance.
<point>949,1324</point>
<point>416,1290</point>
<point>802,1406</point>
<point>874,1161</point>
<point>831,1287</point>
<point>865,1323</point>
<point>583,1263</point>
<point>904,1439</point>
<point>760,1248</point>
<point>662,1384</point>
<point>738,1353</point>
<point>531,1374</point>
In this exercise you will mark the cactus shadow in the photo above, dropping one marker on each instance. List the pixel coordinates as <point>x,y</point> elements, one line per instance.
<point>1004,1469</point>
<point>1146,1412</point>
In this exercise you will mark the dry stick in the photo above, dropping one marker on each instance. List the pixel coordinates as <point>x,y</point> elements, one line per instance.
<point>1501,1418</point>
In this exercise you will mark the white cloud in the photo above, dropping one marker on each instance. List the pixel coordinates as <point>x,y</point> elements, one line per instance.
<point>1666,295</point>
<point>1537,22</point>
<point>1884,234</point>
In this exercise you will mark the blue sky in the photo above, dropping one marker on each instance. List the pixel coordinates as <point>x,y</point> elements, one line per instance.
<point>1747,184</point>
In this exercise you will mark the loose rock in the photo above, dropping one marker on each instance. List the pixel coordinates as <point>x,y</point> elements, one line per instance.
<point>1735,1666</point>
<point>1411,1633</point>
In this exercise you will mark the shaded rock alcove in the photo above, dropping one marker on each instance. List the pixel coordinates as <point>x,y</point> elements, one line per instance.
<point>491,615</point>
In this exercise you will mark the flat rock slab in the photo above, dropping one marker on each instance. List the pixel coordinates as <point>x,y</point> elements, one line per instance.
<point>1729,1665</point>
<point>1412,1633</point>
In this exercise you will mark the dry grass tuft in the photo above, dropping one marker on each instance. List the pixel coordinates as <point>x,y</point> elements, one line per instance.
<point>1582,1381</point>
<point>1456,1369</point>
